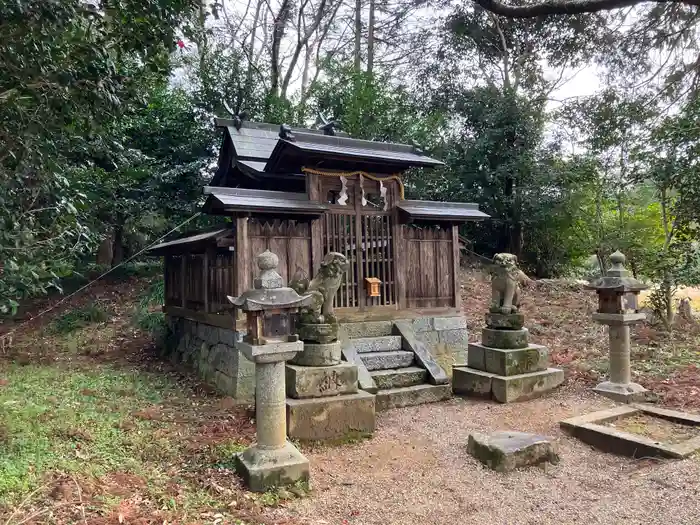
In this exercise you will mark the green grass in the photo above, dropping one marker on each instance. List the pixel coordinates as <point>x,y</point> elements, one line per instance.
<point>79,318</point>
<point>75,422</point>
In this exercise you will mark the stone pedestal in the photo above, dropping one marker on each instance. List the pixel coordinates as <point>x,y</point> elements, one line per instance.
<point>272,461</point>
<point>319,354</point>
<point>504,366</point>
<point>324,401</point>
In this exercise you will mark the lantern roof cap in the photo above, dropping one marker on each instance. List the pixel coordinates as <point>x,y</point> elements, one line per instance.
<point>618,278</point>
<point>269,292</point>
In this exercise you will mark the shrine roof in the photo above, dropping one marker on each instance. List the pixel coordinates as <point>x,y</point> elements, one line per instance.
<point>189,242</point>
<point>441,211</point>
<point>260,202</point>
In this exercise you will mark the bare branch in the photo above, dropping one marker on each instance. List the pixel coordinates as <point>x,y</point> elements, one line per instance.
<point>566,7</point>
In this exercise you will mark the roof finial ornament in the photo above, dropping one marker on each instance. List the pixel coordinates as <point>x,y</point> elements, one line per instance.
<point>238,119</point>
<point>417,149</point>
<point>327,126</point>
<point>286,132</point>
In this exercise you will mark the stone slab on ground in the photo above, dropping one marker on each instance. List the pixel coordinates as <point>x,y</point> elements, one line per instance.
<point>525,386</point>
<point>319,381</point>
<point>515,361</point>
<point>399,377</point>
<point>330,417</point>
<point>385,360</point>
<point>263,469</point>
<point>504,338</point>
<point>505,451</point>
<point>590,428</point>
<point>629,393</point>
<point>412,395</point>
<point>505,389</point>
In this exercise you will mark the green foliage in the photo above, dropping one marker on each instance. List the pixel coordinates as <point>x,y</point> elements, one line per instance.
<point>79,318</point>
<point>149,316</point>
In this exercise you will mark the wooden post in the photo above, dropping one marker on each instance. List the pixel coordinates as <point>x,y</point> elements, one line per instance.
<point>455,266</point>
<point>208,256</point>
<point>360,250</point>
<point>243,256</point>
<point>183,273</point>
<point>398,248</point>
<point>313,189</point>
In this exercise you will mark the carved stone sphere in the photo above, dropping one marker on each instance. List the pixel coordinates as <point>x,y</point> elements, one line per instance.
<point>267,260</point>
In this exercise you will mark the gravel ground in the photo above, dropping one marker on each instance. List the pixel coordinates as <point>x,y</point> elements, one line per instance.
<point>416,471</point>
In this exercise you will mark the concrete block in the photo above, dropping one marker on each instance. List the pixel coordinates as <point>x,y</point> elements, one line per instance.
<point>423,324</point>
<point>476,358</point>
<point>366,329</point>
<point>320,381</point>
<point>319,354</point>
<point>454,337</point>
<point>412,395</point>
<point>263,469</point>
<point>525,386</point>
<point>330,417</point>
<point>385,360</point>
<point>515,361</point>
<point>506,451</point>
<point>470,382</point>
<point>450,323</point>
<point>410,376</point>
<point>504,338</point>
<point>383,343</point>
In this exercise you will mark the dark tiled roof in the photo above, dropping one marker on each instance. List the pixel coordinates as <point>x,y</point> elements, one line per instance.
<point>232,200</point>
<point>441,211</point>
<point>188,241</point>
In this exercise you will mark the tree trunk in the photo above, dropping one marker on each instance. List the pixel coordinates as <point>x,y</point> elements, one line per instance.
<point>280,25</point>
<point>358,36</point>
<point>118,244</point>
<point>370,38</point>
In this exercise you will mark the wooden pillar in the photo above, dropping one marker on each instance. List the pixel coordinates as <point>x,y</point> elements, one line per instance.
<point>455,267</point>
<point>183,275</point>
<point>313,190</point>
<point>398,247</point>
<point>360,250</point>
<point>206,282</point>
<point>244,278</point>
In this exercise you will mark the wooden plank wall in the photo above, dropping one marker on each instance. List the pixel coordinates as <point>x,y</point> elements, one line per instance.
<point>429,261</point>
<point>222,281</point>
<point>288,239</point>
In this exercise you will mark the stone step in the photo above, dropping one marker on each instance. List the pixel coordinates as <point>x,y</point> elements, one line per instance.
<point>411,395</point>
<point>387,360</point>
<point>384,343</point>
<point>367,329</point>
<point>399,377</point>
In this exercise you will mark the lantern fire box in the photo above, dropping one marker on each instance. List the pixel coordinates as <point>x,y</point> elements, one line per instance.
<point>372,286</point>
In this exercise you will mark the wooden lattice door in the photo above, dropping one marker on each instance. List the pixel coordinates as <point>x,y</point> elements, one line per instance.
<point>360,229</point>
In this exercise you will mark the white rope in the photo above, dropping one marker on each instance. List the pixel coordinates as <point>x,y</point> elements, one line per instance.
<point>4,337</point>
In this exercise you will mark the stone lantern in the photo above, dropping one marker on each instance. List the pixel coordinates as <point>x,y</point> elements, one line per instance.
<point>269,342</point>
<point>618,300</point>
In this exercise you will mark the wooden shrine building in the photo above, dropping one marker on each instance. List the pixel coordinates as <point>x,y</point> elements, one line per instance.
<point>303,193</point>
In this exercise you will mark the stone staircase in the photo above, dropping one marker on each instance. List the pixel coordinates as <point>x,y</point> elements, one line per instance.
<point>400,378</point>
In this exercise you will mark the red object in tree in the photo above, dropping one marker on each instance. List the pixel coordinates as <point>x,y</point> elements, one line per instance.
<point>180,44</point>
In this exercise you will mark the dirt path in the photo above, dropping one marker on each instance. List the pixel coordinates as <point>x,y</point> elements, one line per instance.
<point>416,470</point>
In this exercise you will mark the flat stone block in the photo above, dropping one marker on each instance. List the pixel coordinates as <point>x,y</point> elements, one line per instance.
<point>367,329</point>
<point>476,358</point>
<point>412,395</point>
<point>423,324</point>
<point>401,377</point>
<point>504,338</point>
<point>525,386</point>
<point>263,469</point>
<point>470,382</point>
<point>454,337</point>
<point>320,381</point>
<point>516,361</point>
<point>386,360</point>
<point>421,352</point>
<point>430,338</point>
<point>384,343</point>
<point>449,323</point>
<point>319,354</point>
<point>364,378</point>
<point>318,333</point>
<point>330,417</point>
<point>629,393</point>
<point>505,321</point>
<point>507,451</point>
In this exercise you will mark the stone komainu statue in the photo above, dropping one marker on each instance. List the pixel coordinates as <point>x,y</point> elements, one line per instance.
<point>324,286</point>
<point>506,279</point>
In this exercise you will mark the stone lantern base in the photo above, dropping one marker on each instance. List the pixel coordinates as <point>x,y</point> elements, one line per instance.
<point>623,393</point>
<point>263,469</point>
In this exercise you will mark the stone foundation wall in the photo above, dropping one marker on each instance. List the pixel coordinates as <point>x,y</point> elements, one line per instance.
<point>210,351</point>
<point>446,337</point>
